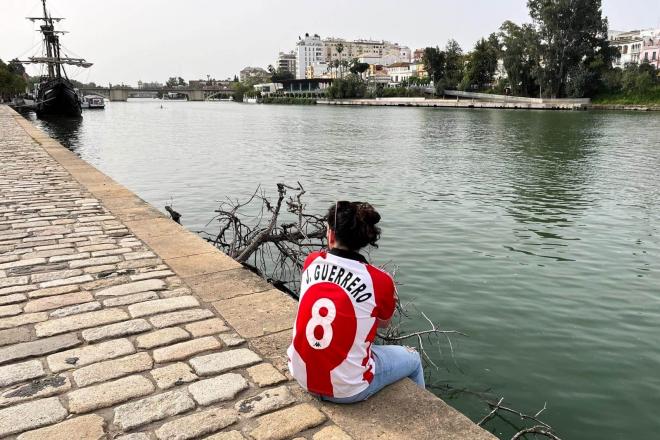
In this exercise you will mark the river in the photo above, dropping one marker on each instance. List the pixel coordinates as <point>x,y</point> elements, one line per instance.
<point>535,233</point>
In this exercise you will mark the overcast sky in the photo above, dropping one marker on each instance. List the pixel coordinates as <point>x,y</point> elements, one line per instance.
<point>150,40</point>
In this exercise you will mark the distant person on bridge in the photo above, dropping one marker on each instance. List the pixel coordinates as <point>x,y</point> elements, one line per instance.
<point>343,301</point>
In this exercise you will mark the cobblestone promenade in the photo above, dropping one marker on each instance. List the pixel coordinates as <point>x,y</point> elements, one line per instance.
<point>115,323</point>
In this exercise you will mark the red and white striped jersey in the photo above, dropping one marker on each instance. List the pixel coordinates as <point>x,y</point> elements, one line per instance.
<point>341,295</point>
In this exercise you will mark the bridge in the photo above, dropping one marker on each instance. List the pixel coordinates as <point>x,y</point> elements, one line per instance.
<point>193,94</point>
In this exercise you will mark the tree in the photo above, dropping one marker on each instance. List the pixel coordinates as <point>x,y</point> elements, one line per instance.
<point>171,82</point>
<point>239,90</point>
<point>16,67</point>
<point>573,36</point>
<point>434,61</point>
<point>182,82</point>
<point>453,64</point>
<point>481,66</point>
<point>520,54</point>
<point>340,49</point>
<point>11,83</point>
<point>358,68</point>
<point>280,75</point>
<point>346,88</point>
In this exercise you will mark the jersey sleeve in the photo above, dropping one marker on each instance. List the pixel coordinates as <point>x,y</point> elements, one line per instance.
<point>310,258</point>
<point>384,290</point>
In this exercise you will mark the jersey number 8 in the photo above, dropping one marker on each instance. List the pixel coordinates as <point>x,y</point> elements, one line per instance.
<point>319,327</point>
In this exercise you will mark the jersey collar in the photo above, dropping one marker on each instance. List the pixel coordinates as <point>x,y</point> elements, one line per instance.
<point>351,255</point>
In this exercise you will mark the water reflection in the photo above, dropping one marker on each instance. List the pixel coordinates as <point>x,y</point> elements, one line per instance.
<point>65,130</point>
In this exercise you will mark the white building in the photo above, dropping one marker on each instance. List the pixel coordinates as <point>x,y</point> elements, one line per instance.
<point>309,51</point>
<point>375,51</point>
<point>630,44</point>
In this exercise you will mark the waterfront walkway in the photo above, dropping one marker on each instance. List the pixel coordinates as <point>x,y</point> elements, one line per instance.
<point>117,323</point>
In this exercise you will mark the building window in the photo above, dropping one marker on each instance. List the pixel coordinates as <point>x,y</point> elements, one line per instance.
<point>653,57</point>
<point>625,50</point>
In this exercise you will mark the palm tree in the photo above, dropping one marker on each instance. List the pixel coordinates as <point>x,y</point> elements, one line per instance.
<point>340,49</point>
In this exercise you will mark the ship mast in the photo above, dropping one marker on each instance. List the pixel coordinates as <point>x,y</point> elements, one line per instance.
<point>52,43</point>
<point>53,56</point>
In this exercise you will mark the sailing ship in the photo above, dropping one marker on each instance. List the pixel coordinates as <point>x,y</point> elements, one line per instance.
<point>55,94</point>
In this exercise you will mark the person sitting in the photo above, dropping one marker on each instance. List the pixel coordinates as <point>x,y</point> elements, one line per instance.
<point>343,301</point>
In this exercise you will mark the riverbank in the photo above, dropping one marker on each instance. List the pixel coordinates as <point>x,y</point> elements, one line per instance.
<point>465,103</point>
<point>116,319</point>
<point>454,103</point>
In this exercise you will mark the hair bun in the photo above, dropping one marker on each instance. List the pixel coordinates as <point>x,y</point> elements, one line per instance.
<point>367,213</point>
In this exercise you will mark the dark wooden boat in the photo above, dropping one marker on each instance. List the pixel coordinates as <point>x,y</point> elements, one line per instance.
<point>55,94</point>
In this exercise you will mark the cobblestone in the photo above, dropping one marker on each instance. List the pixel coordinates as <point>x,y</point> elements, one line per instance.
<point>54,302</point>
<point>173,375</point>
<point>138,286</point>
<point>181,317</point>
<point>216,389</point>
<point>134,436</point>
<point>74,310</point>
<point>89,354</point>
<point>53,291</point>
<point>112,369</point>
<point>10,310</point>
<point>24,319</point>
<point>162,305</point>
<point>207,327</point>
<point>108,393</point>
<point>38,347</point>
<point>267,401</point>
<point>80,321</point>
<point>265,375</point>
<point>130,299</point>
<point>287,422</point>
<point>231,339</point>
<point>184,350</point>
<point>16,373</point>
<point>224,361</point>
<point>114,330</point>
<point>55,275</point>
<point>150,409</point>
<point>66,281</point>
<point>197,424</point>
<point>14,335</point>
<point>31,415</point>
<point>88,427</point>
<point>229,435</point>
<point>43,387</point>
<point>161,337</point>
<point>331,433</point>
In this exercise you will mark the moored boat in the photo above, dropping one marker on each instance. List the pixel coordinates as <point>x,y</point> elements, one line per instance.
<point>93,102</point>
<point>55,94</point>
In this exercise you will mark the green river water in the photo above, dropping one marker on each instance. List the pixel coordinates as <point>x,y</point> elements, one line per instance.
<point>536,233</point>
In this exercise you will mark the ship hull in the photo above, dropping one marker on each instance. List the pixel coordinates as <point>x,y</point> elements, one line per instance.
<point>57,97</point>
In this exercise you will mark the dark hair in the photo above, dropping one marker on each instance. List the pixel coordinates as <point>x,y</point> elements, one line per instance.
<point>355,224</point>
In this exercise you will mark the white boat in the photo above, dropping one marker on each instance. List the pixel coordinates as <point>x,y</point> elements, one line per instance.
<point>93,101</point>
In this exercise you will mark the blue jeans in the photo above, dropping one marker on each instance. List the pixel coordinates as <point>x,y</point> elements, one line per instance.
<point>393,362</point>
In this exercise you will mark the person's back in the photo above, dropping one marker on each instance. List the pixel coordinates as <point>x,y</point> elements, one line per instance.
<point>343,301</point>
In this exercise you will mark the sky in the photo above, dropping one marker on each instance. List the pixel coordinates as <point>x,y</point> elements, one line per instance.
<point>151,40</point>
